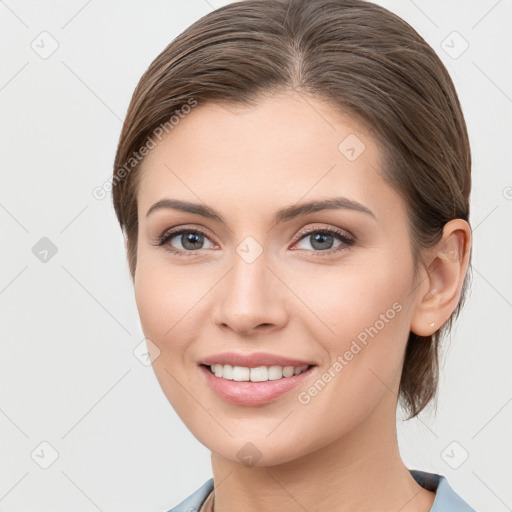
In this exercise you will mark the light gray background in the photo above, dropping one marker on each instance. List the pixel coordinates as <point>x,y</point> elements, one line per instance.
<point>69,325</point>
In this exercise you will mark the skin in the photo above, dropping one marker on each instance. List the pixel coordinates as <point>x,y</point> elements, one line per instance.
<point>341,448</point>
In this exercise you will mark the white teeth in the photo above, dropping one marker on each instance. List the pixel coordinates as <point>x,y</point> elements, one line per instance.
<point>275,372</point>
<point>227,371</point>
<point>257,374</point>
<point>240,373</point>
<point>287,371</point>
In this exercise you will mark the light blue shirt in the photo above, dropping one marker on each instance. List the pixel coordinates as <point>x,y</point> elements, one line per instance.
<point>446,500</point>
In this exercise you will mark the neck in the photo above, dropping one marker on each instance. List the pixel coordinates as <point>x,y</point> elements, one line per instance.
<point>360,471</point>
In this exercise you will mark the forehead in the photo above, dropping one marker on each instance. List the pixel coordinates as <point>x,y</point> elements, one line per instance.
<point>288,147</point>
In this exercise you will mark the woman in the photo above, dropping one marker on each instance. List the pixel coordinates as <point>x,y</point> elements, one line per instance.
<point>293,181</point>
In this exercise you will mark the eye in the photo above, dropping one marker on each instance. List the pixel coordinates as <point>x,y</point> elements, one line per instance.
<point>188,241</point>
<point>322,240</point>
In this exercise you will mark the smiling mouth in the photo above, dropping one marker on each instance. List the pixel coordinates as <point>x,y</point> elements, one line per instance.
<point>255,374</point>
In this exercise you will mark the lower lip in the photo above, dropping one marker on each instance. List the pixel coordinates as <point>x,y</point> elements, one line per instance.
<point>249,393</point>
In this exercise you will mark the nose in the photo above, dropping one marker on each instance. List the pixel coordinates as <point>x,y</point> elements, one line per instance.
<point>251,298</point>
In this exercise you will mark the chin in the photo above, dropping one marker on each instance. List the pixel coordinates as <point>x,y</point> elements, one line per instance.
<point>256,451</point>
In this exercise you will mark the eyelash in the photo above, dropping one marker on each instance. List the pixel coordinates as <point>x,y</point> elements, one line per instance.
<point>346,240</point>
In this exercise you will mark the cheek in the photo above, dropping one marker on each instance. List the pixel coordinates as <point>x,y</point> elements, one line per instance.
<point>349,300</point>
<point>365,330</point>
<point>171,304</point>
<point>157,295</point>
<point>165,314</point>
<point>151,294</point>
<point>364,322</point>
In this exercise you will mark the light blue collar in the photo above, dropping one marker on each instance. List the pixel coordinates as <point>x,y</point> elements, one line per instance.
<point>446,500</point>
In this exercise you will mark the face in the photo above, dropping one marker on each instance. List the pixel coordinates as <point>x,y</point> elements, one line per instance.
<point>331,287</point>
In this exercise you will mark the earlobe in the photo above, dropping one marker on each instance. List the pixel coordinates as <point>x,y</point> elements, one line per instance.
<point>439,292</point>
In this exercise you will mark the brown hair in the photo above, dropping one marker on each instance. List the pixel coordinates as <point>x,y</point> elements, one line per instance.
<point>358,57</point>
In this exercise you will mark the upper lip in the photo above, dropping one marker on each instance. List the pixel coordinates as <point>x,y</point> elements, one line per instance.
<point>253,360</point>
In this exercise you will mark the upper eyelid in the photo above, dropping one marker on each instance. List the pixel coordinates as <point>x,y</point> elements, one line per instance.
<point>332,229</point>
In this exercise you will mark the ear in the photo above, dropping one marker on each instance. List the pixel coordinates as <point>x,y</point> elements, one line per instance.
<point>439,290</point>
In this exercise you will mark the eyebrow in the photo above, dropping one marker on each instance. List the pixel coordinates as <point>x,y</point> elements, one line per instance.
<point>288,213</point>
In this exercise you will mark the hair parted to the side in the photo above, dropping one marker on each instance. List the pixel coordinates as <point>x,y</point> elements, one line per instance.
<point>361,59</point>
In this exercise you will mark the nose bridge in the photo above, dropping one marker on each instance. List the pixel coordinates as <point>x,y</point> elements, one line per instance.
<point>249,275</point>
<point>250,257</point>
<point>247,297</point>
